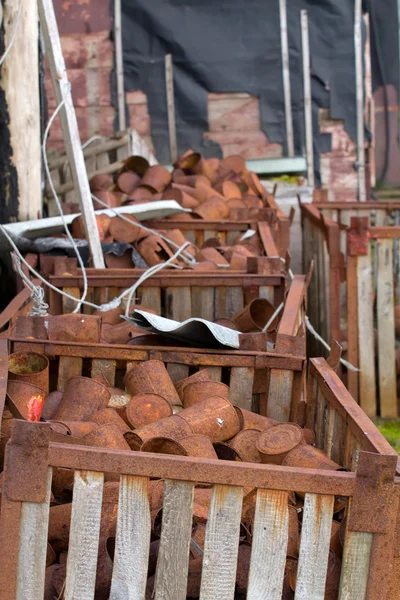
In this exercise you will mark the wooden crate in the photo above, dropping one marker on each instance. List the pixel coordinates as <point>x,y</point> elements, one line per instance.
<point>369,548</point>
<point>353,292</point>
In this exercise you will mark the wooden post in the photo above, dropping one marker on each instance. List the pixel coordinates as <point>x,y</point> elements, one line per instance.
<point>20,164</point>
<point>119,60</point>
<point>305,43</point>
<point>169,82</point>
<point>286,77</point>
<point>362,195</point>
<point>69,125</point>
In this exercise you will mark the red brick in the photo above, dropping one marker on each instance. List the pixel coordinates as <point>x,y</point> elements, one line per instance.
<point>250,144</point>
<point>83,16</point>
<point>139,118</point>
<point>77,78</point>
<point>137,97</point>
<point>74,51</point>
<point>51,98</point>
<point>100,50</point>
<point>233,112</point>
<point>104,87</point>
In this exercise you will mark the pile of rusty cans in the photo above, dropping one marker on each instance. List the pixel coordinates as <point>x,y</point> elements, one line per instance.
<point>193,417</point>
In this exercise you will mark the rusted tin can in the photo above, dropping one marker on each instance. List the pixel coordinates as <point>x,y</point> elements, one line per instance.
<point>245,444</point>
<point>29,367</point>
<point>307,456</point>
<point>82,397</point>
<point>254,316</point>
<point>154,250</point>
<point>216,418</point>
<point>202,375</point>
<point>336,543</point>
<point>151,377</point>
<point>194,577</point>
<point>136,163</point>
<point>198,391</point>
<point>212,255</point>
<point>51,404</point>
<point>100,182</point>
<point>76,429</point>
<point>75,328</point>
<point>173,427</point>
<point>119,262</point>
<point>251,420</point>
<point>199,446</point>
<point>293,546</point>
<point>225,452</point>
<point>213,209</point>
<point>29,327</point>
<point>127,181</point>
<point>243,567</point>
<point>156,177</point>
<point>276,443</point>
<point>122,231</point>
<point>309,436</point>
<point>142,193</point>
<point>24,399</point>
<point>188,160</point>
<point>109,415</point>
<point>163,445</point>
<point>118,398</point>
<point>144,409</point>
<point>107,436</point>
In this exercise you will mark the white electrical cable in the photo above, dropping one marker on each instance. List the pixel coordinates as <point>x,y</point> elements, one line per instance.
<point>53,191</point>
<point>14,33</point>
<point>344,362</point>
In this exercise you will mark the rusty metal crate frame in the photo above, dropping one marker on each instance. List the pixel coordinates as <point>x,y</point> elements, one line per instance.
<point>354,251</point>
<point>370,546</point>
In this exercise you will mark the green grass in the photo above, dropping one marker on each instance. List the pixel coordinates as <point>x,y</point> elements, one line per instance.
<point>391,431</point>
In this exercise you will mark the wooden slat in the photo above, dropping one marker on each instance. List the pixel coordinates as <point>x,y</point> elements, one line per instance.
<point>355,565</point>
<point>173,555</point>
<point>329,431</point>
<point>267,568</point>
<point>68,304</point>
<point>366,336</point>
<point>104,371</point>
<point>33,547</point>
<point>132,540</point>
<point>386,331</point>
<point>203,302</point>
<point>241,387</point>
<point>215,373</point>
<point>221,544</point>
<point>177,372</point>
<point>267,292</point>
<point>84,535</point>
<point>68,366</point>
<point>320,419</point>
<point>352,325</point>
<point>280,394</point>
<point>314,547</point>
<point>151,298</point>
<point>178,303</point>
<point>234,300</point>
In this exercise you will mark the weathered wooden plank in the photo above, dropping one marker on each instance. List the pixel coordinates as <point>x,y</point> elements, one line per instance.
<point>151,298</point>
<point>178,303</point>
<point>215,373</point>
<point>320,419</point>
<point>314,547</point>
<point>329,430</point>
<point>267,568</point>
<point>386,331</point>
<point>267,292</point>
<point>132,540</point>
<point>33,547</point>
<point>173,555</point>
<point>352,325</point>
<point>104,371</point>
<point>241,387</point>
<point>280,394</point>
<point>355,565</point>
<point>177,372</point>
<point>221,544</point>
<point>68,366</point>
<point>202,300</point>
<point>366,336</point>
<point>84,535</point>
<point>234,300</point>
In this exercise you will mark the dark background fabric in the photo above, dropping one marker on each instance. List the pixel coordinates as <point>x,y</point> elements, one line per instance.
<point>227,46</point>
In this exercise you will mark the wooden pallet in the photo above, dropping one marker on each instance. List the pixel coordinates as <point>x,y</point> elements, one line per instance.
<point>355,286</point>
<point>340,426</point>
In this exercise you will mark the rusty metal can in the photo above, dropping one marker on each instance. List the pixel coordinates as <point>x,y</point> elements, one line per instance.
<point>216,418</point>
<point>245,444</point>
<point>24,399</point>
<point>307,456</point>
<point>157,177</point>
<point>202,375</point>
<point>276,443</point>
<point>254,316</point>
<point>199,446</point>
<point>173,427</point>
<point>82,397</point>
<point>163,445</point>
<point>225,452</point>
<point>107,436</point>
<point>144,409</point>
<point>109,415</point>
<point>51,404</point>
<point>198,391</point>
<point>251,420</point>
<point>29,367</point>
<point>151,377</point>
<point>76,429</point>
<point>122,231</point>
